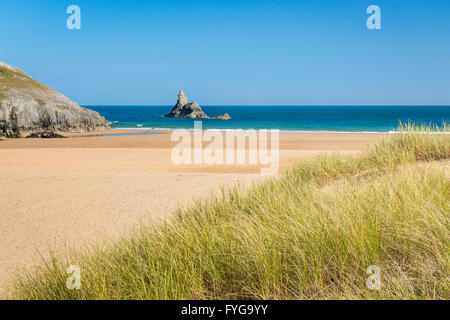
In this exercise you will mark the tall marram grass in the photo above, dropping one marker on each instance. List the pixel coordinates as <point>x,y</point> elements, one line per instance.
<point>309,234</point>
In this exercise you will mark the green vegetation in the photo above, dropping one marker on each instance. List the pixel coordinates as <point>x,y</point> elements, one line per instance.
<point>14,78</point>
<point>309,234</point>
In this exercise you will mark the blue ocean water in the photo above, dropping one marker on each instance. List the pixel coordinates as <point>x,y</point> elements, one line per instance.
<point>288,118</point>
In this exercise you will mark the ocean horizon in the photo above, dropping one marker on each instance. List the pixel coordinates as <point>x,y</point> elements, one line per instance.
<point>351,119</point>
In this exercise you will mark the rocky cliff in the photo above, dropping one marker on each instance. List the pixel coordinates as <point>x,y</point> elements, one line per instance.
<point>28,106</point>
<point>186,109</point>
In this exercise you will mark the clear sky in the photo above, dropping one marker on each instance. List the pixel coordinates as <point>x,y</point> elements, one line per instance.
<point>233,52</point>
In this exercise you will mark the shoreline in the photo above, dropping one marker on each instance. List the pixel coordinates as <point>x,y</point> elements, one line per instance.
<point>236,129</point>
<point>128,139</point>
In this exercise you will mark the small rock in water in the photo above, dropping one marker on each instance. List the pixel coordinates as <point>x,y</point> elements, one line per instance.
<point>225,116</point>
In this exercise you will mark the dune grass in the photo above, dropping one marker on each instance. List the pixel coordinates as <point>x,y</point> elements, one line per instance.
<point>309,234</point>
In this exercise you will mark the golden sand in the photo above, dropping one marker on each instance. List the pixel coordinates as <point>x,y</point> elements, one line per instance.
<point>90,188</point>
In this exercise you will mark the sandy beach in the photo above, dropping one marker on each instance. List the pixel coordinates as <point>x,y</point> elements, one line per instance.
<point>92,188</point>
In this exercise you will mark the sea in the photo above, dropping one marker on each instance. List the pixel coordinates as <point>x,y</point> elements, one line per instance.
<point>285,118</point>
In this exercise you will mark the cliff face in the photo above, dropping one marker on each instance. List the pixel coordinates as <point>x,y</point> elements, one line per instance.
<point>28,106</point>
<point>186,109</point>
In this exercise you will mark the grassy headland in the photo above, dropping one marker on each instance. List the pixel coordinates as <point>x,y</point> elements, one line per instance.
<point>309,234</point>
<point>12,78</point>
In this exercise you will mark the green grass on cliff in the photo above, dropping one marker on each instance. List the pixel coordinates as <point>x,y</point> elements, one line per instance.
<point>309,234</point>
<point>16,79</point>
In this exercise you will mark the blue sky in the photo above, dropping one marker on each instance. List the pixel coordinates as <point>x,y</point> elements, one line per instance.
<point>234,52</point>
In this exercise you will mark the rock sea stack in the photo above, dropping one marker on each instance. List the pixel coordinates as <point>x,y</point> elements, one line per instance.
<point>28,107</point>
<point>186,110</point>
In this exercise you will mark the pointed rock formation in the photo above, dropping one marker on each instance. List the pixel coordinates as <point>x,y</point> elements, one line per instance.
<point>185,109</point>
<point>182,99</point>
<point>30,107</point>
